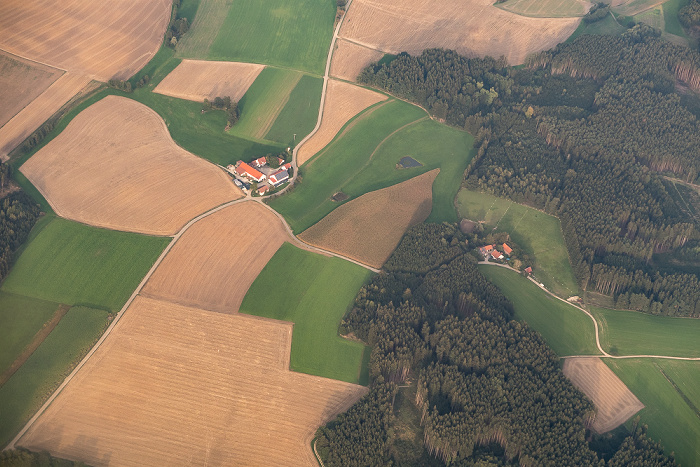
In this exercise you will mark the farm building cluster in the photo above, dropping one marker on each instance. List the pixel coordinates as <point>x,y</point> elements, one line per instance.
<point>505,253</point>
<point>265,177</point>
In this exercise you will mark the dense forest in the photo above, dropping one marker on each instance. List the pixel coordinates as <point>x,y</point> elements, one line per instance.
<point>487,388</point>
<point>585,132</point>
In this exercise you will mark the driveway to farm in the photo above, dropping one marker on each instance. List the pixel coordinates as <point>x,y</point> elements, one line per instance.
<point>604,354</point>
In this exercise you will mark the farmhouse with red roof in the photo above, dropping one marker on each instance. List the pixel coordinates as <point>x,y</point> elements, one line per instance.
<point>495,254</point>
<point>259,162</point>
<point>507,250</point>
<point>279,177</point>
<point>262,189</point>
<point>528,270</point>
<point>244,170</point>
<point>485,250</point>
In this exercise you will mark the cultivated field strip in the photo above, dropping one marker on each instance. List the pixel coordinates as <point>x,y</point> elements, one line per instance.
<point>15,76</point>
<point>349,59</point>
<point>39,110</point>
<point>210,16</point>
<point>97,39</point>
<point>116,166</point>
<point>472,28</point>
<point>217,259</point>
<point>343,101</point>
<point>614,402</point>
<point>196,80</point>
<point>175,385</point>
<point>369,228</point>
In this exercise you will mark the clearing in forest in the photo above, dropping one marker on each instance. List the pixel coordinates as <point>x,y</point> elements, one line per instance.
<point>174,384</point>
<point>314,292</point>
<point>93,38</point>
<point>546,8</point>
<point>116,166</point>
<point>21,81</point>
<point>472,28</point>
<point>343,102</point>
<point>196,80</point>
<point>36,112</point>
<point>635,7</point>
<point>369,228</point>
<point>614,402</point>
<point>349,59</point>
<point>215,261</point>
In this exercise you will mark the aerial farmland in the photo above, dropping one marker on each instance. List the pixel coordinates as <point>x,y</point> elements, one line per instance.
<point>253,233</point>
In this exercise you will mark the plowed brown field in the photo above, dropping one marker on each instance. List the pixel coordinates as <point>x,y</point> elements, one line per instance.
<point>343,101</point>
<point>367,229</point>
<point>614,401</point>
<point>196,80</point>
<point>174,385</point>
<point>116,166</point>
<point>39,110</point>
<point>471,27</point>
<point>99,39</point>
<point>21,81</point>
<point>218,258</point>
<point>349,59</point>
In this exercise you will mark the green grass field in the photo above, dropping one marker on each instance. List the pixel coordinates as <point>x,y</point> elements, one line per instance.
<point>20,319</point>
<point>299,115</point>
<point>566,330</point>
<point>606,26</point>
<point>537,233</point>
<point>314,292</point>
<point>632,333</point>
<point>76,264</point>
<point>34,382</point>
<point>672,24</point>
<point>654,17</point>
<point>543,8</point>
<point>363,158</point>
<point>671,420</point>
<point>294,34</point>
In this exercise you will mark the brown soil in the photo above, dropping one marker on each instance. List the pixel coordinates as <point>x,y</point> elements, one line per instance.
<point>369,228</point>
<point>217,259</point>
<point>471,27</point>
<point>102,40</point>
<point>115,166</point>
<point>196,80</point>
<point>614,401</point>
<point>349,59</point>
<point>174,385</point>
<point>343,101</point>
<point>21,81</point>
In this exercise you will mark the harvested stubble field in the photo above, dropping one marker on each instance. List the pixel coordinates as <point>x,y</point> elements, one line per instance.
<point>349,59</point>
<point>116,166</point>
<point>196,80</point>
<point>218,258</point>
<point>368,228</point>
<point>343,101</point>
<point>614,402</point>
<point>102,40</point>
<point>34,114</point>
<point>472,28</point>
<point>21,81</point>
<point>174,385</point>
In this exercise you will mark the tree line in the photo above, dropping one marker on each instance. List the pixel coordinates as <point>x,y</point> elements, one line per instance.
<point>582,132</point>
<point>485,385</point>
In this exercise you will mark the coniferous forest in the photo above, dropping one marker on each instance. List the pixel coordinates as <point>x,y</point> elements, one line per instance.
<point>591,132</point>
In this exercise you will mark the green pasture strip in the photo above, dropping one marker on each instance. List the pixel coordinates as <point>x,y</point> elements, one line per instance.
<point>566,330</point>
<point>209,18</point>
<point>634,7</point>
<point>671,420</point>
<point>686,377</point>
<point>162,63</point>
<point>314,292</point>
<point>77,264</point>
<point>537,233</point>
<point>672,24</point>
<point>606,26</point>
<point>299,115</point>
<point>290,33</point>
<point>543,8</point>
<point>20,319</point>
<point>22,395</point>
<point>653,17</point>
<point>625,332</point>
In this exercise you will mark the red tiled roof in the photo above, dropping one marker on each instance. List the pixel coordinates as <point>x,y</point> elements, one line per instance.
<point>263,189</point>
<point>487,247</point>
<point>245,169</point>
<point>508,250</point>
<point>287,166</point>
<point>528,270</point>
<point>497,254</point>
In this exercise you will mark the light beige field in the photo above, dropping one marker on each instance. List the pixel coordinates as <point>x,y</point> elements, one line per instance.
<point>102,40</point>
<point>115,166</point>
<point>343,101</point>
<point>218,258</point>
<point>349,59</point>
<point>614,402</point>
<point>196,80</point>
<point>34,114</point>
<point>21,81</point>
<point>174,385</point>
<point>369,228</point>
<point>471,27</point>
